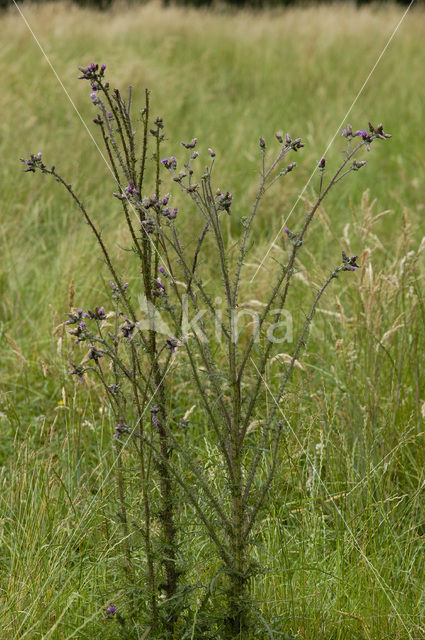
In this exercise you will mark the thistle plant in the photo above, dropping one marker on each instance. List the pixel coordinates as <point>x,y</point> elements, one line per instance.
<point>226,366</point>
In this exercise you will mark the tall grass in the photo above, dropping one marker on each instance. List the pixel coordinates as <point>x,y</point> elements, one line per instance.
<point>344,541</point>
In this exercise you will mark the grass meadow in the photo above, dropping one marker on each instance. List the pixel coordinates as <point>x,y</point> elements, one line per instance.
<point>344,558</point>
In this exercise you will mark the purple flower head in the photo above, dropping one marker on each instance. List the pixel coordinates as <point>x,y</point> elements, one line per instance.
<point>93,96</point>
<point>191,144</point>
<point>224,201</point>
<point>288,139</point>
<point>171,343</point>
<point>162,270</point>
<point>291,166</point>
<point>322,162</point>
<point>195,154</point>
<point>154,413</point>
<point>35,162</point>
<point>348,132</point>
<point>349,263</point>
<point>279,137</point>
<point>127,328</point>
<point>148,226</point>
<point>120,429</point>
<point>110,611</point>
<point>166,199</point>
<point>75,317</point>
<point>77,370</point>
<point>290,234</point>
<point>358,164</point>
<point>159,288</point>
<point>94,354</point>
<point>262,143</point>
<point>131,190</point>
<point>169,163</point>
<point>211,152</point>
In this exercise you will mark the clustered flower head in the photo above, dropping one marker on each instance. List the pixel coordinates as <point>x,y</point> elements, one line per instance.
<point>171,344</point>
<point>116,291</point>
<point>132,191</point>
<point>170,163</point>
<point>367,136</point>
<point>322,163</point>
<point>294,144</point>
<point>191,144</point>
<point>148,226</point>
<point>349,263</point>
<point>94,354</point>
<point>34,162</point>
<point>79,332</point>
<point>75,317</point>
<point>290,234</point>
<point>97,314</point>
<point>120,429</point>
<point>171,214</point>
<point>154,414</point>
<point>224,201</point>
<point>77,370</point>
<point>158,287</point>
<point>127,328</point>
<point>110,611</point>
<point>93,72</point>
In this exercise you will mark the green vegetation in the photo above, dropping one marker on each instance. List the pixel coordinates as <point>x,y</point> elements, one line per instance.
<point>343,557</point>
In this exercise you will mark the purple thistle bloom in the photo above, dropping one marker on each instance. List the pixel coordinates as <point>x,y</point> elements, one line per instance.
<point>110,611</point>
<point>349,263</point>
<point>290,234</point>
<point>171,343</point>
<point>322,163</point>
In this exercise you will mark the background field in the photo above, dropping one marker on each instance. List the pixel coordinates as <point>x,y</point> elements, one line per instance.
<point>358,404</point>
